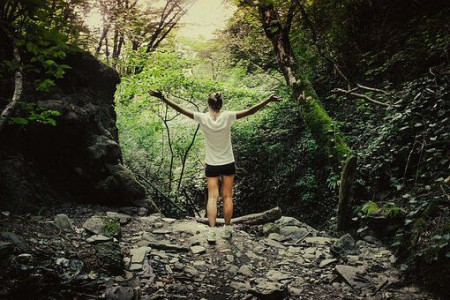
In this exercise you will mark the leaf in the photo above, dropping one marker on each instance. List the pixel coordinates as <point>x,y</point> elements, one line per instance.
<point>19,121</point>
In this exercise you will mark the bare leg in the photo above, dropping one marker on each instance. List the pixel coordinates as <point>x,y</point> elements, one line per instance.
<point>213,195</point>
<point>227,196</point>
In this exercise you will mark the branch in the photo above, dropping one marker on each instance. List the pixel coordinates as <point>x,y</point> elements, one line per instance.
<point>185,99</point>
<point>18,85</point>
<point>351,92</point>
<point>184,158</point>
<point>252,219</point>
<point>289,17</point>
<point>371,88</point>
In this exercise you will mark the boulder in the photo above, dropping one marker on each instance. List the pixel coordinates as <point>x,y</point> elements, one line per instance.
<point>104,226</point>
<point>294,232</point>
<point>345,245</point>
<point>79,158</point>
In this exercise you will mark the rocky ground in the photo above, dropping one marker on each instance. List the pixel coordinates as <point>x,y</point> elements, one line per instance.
<point>90,252</point>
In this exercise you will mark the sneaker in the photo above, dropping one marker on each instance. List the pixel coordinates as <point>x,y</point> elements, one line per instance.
<point>227,231</point>
<point>211,236</point>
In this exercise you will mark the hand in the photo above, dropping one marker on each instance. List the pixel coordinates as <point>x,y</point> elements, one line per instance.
<point>157,94</point>
<point>274,98</point>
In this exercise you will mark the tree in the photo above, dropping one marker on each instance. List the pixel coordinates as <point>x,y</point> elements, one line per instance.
<point>38,32</point>
<point>126,21</point>
<point>276,21</point>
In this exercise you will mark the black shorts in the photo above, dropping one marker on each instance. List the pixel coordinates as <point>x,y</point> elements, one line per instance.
<point>216,171</point>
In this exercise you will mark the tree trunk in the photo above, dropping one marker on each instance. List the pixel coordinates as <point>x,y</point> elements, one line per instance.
<point>9,110</point>
<point>346,193</point>
<point>322,127</point>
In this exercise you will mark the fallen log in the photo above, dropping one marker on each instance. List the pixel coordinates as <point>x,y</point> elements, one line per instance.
<point>252,219</point>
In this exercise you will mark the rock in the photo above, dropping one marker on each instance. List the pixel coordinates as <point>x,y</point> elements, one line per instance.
<point>69,267</point>
<point>122,218</point>
<point>294,249</point>
<point>96,238</point>
<point>19,243</point>
<point>135,267</point>
<point>310,250</point>
<point>106,226</point>
<point>269,291</point>
<point>252,255</point>
<point>345,245</point>
<point>392,259</point>
<point>128,210</point>
<point>245,270</point>
<point>198,249</point>
<point>119,293</point>
<point>278,237</point>
<point>191,271</point>
<point>272,243</point>
<point>326,262</point>
<point>168,220</point>
<point>138,254</point>
<point>24,258</point>
<point>83,147</point>
<point>232,269</point>
<point>288,221</point>
<point>161,244</point>
<point>294,232</point>
<point>110,257</point>
<point>153,218</point>
<point>6,249</point>
<point>318,240</point>
<point>351,275</point>
<point>63,222</point>
<point>142,211</point>
<point>274,275</point>
<point>178,267</point>
<point>199,263</point>
<point>269,228</point>
<point>371,239</point>
<point>240,286</point>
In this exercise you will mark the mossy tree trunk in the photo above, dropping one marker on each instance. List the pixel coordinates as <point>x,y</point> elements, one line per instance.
<point>322,127</point>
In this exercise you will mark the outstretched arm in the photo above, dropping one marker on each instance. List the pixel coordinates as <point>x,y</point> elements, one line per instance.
<point>253,109</point>
<point>175,106</point>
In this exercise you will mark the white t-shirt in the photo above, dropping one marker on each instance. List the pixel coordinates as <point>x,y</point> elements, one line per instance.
<point>217,136</point>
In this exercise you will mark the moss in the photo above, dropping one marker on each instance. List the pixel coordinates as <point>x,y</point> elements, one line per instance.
<point>322,127</point>
<point>112,227</point>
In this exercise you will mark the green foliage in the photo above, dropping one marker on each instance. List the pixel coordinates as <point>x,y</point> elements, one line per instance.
<point>369,207</point>
<point>112,226</point>
<point>30,112</point>
<point>280,164</point>
<point>43,44</point>
<point>142,119</point>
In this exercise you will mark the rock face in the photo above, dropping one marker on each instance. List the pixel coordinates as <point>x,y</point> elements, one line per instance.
<point>80,157</point>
